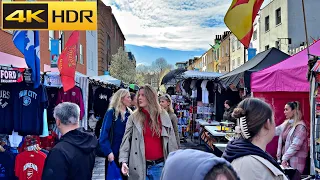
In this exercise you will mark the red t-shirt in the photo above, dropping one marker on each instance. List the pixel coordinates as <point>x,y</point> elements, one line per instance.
<point>29,165</point>
<point>153,143</point>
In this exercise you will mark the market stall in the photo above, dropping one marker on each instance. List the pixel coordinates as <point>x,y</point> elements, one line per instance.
<point>285,82</point>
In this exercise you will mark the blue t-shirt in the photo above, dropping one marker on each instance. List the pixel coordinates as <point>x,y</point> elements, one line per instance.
<point>6,111</point>
<point>29,104</point>
<point>7,166</point>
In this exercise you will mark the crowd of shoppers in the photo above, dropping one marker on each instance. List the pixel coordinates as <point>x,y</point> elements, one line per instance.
<point>140,134</point>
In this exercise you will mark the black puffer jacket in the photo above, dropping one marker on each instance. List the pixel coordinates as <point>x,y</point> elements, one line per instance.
<point>227,115</point>
<point>72,158</point>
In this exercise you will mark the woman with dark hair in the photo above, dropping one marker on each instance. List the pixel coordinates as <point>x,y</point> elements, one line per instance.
<point>148,139</point>
<point>134,101</point>
<point>227,115</point>
<point>292,144</point>
<point>247,154</point>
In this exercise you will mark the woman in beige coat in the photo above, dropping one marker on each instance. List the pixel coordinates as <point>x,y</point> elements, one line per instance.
<point>166,104</point>
<point>148,139</point>
<point>247,154</point>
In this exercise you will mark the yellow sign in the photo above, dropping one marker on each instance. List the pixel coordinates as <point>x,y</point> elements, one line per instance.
<point>49,15</point>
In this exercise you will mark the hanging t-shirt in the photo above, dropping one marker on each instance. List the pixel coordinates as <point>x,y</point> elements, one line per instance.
<point>29,165</point>
<point>101,101</point>
<point>29,104</point>
<point>52,93</point>
<point>73,95</point>
<point>6,109</point>
<point>6,165</point>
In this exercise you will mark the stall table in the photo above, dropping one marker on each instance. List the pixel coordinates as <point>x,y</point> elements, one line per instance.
<point>204,123</point>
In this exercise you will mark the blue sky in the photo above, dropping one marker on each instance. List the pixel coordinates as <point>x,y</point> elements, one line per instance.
<point>174,29</point>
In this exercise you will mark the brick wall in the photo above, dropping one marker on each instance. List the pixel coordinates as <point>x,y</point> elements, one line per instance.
<point>107,26</point>
<point>7,46</point>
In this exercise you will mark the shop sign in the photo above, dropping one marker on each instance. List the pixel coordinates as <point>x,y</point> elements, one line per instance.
<point>11,75</point>
<point>52,80</point>
<point>54,53</point>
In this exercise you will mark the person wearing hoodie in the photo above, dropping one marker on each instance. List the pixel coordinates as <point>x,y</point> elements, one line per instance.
<point>73,157</point>
<point>247,154</point>
<point>192,164</point>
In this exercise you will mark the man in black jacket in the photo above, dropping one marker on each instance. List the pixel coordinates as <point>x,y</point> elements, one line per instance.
<point>74,156</point>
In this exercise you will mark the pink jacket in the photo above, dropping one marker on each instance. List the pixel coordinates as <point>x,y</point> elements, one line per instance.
<point>296,146</point>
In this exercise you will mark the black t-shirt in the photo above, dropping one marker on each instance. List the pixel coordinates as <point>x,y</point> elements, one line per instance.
<point>29,104</point>
<point>7,166</point>
<point>6,109</point>
<point>52,93</point>
<point>211,90</point>
<point>101,101</point>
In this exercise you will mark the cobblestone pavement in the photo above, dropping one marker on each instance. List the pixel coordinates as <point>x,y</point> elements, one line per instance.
<point>98,171</point>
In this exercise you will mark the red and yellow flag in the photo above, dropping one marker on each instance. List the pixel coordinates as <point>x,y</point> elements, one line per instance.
<point>67,62</point>
<point>240,17</point>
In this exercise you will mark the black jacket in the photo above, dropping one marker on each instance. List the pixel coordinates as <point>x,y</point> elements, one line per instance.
<point>72,158</point>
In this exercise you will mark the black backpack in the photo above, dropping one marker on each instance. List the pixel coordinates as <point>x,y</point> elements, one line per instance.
<point>99,151</point>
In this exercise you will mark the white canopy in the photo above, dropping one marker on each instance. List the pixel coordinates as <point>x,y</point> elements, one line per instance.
<point>106,79</point>
<point>201,75</point>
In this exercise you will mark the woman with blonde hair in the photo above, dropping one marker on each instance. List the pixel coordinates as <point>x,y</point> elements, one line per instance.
<point>166,104</point>
<point>114,125</point>
<point>148,139</point>
<point>292,144</point>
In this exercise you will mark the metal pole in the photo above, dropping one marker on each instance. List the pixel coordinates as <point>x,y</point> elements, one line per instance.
<point>305,27</point>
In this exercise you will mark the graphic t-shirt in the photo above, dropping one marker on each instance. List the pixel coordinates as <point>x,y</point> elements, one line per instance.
<point>6,165</point>
<point>6,111</point>
<point>29,104</point>
<point>29,165</point>
<point>101,101</point>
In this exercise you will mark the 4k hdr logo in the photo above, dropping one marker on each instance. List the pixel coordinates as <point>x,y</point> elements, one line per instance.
<point>49,15</point>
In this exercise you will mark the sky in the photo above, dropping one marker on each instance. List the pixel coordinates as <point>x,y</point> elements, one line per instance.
<point>176,30</point>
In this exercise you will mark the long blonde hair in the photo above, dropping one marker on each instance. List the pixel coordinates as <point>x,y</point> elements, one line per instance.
<point>297,115</point>
<point>167,97</point>
<point>153,108</point>
<point>116,101</point>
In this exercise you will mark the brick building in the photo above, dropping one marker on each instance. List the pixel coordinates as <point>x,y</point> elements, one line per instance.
<point>110,37</point>
<point>7,46</point>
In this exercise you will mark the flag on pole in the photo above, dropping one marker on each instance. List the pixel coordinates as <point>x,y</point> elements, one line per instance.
<point>240,18</point>
<point>27,42</point>
<point>67,61</point>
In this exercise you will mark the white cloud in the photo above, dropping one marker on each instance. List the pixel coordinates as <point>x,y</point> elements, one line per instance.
<point>174,24</point>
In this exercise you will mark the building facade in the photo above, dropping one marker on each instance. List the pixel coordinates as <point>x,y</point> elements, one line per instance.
<point>237,53</point>
<point>255,40</point>
<point>282,24</point>
<point>110,37</point>
<point>92,53</point>
<point>224,58</point>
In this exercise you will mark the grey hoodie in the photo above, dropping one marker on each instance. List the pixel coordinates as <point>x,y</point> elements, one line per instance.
<point>190,164</point>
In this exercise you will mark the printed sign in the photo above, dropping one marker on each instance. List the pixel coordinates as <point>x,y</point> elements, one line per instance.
<point>49,15</point>
<point>11,75</point>
<point>54,53</point>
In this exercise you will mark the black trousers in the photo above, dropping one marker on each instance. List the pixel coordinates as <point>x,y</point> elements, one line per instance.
<point>116,160</point>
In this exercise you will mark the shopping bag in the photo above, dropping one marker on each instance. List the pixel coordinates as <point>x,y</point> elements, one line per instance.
<point>113,172</point>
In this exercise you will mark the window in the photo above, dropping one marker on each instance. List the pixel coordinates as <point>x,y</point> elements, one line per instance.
<point>218,54</point>
<point>108,42</point>
<point>238,61</point>
<point>255,35</point>
<point>115,31</point>
<point>266,47</point>
<point>278,16</point>
<point>51,36</point>
<point>238,45</point>
<point>232,43</point>
<point>233,64</point>
<point>81,54</point>
<point>266,24</point>
<point>277,45</point>
<point>222,53</point>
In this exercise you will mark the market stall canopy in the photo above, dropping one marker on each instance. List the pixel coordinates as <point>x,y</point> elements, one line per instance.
<point>260,61</point>
<point>289,75</point>
<point>172,75</point>
<point>11,60</point>
<point>200,75</point>
<point>107,79</point>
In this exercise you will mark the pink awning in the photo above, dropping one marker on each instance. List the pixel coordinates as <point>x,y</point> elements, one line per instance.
<point>288,75</point>
<point>15,61</point>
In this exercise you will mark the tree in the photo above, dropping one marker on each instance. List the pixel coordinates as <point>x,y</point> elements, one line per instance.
<point>122,68</point>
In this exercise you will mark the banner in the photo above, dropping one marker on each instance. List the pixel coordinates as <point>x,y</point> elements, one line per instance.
<point>54,53</point>
<point>11,75</point>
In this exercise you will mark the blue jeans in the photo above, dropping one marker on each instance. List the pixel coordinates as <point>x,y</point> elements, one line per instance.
<point>154,172</point>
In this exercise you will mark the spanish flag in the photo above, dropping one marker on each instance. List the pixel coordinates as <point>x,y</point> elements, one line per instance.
<point>240,17</point>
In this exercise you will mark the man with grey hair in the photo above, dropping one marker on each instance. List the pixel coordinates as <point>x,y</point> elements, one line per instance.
<point>74,156</point>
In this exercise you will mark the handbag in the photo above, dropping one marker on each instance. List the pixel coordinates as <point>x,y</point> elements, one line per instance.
<point>99,151</point>
<point>113,172</point>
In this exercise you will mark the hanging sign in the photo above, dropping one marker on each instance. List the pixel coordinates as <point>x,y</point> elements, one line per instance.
<point>11,75</point>
<point>54,53</point>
